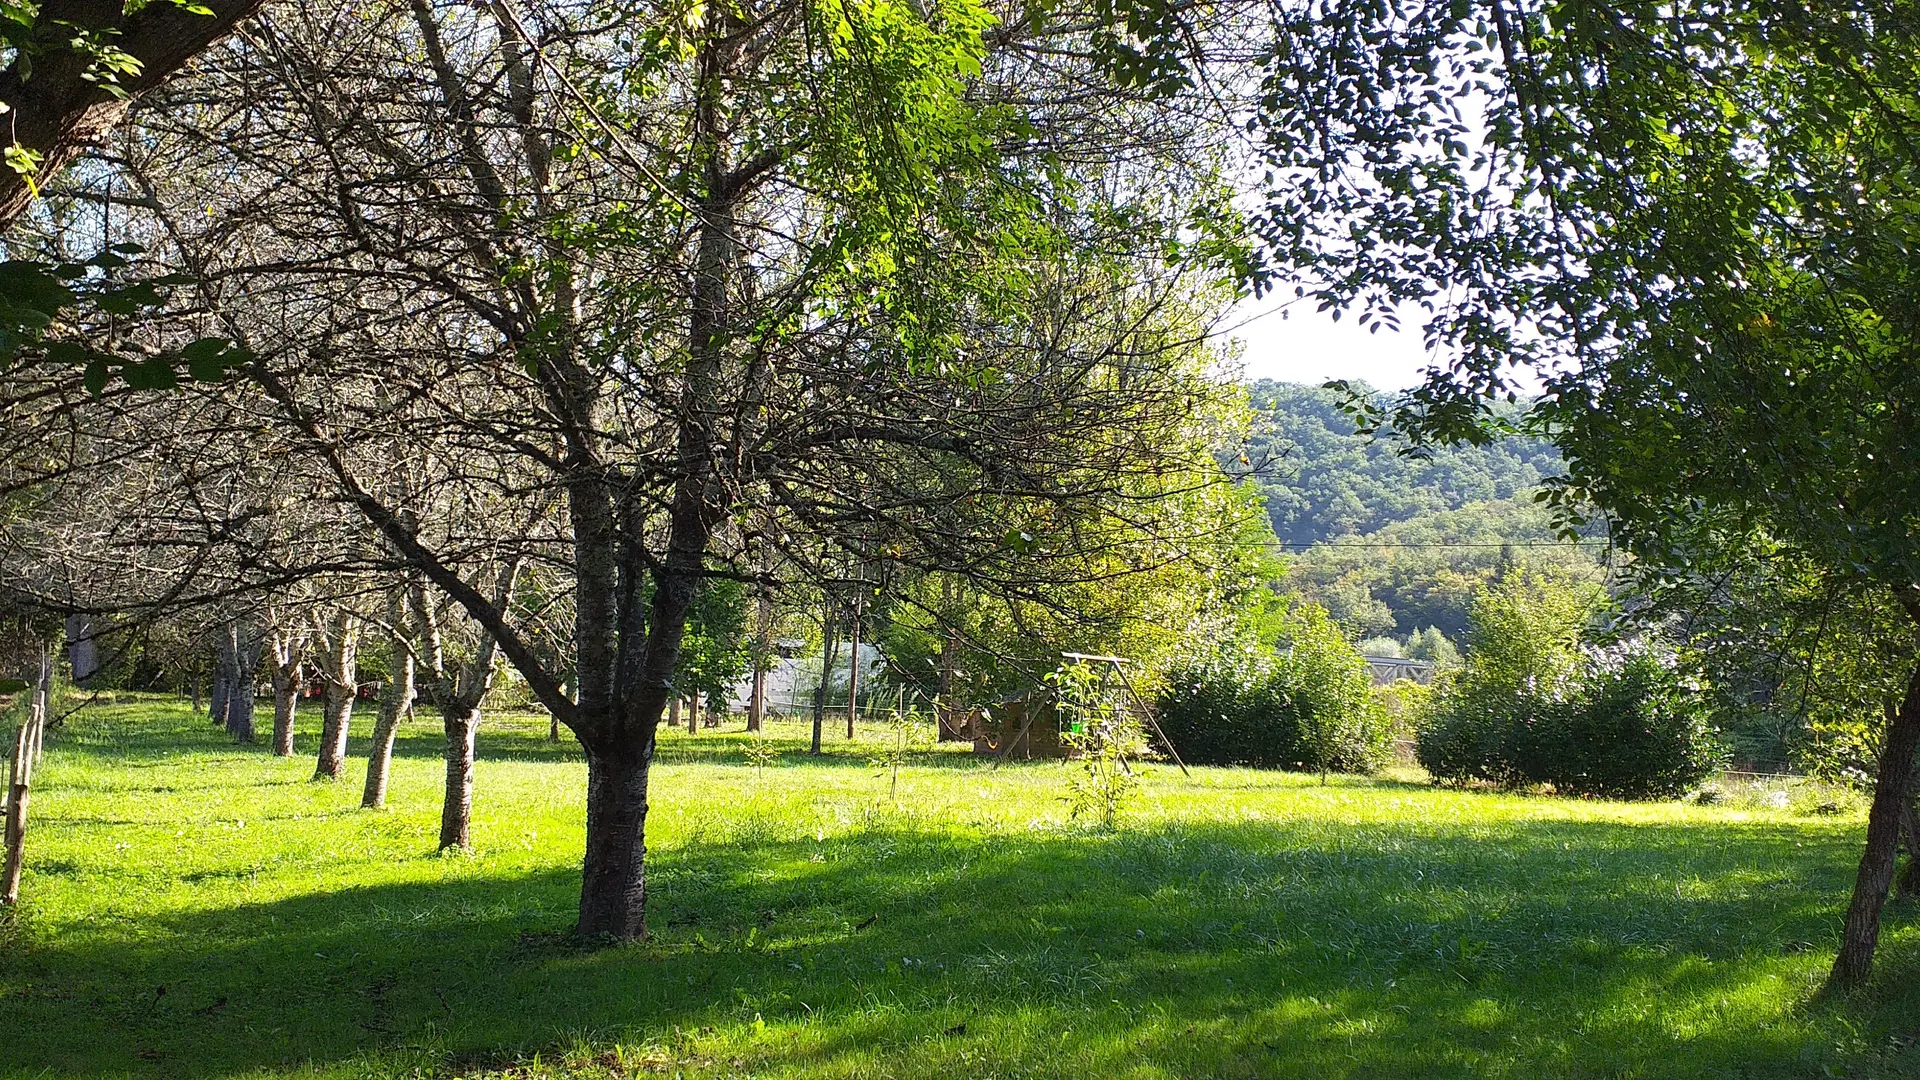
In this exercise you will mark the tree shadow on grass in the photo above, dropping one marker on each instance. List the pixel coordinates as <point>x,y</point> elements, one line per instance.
<point>1297,948</point>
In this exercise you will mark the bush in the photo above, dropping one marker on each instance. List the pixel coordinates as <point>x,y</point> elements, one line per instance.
<point>1633,730</point>
<point>1492,718</point>
<point>1530,707</point>
<point>1636,731</point>
<point>1382,646</point>
<point>1431,645</point>
<point>1311,707</point>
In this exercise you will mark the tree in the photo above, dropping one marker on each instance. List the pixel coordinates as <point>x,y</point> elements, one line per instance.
<point>338,660</point>
<point>853,298</point>
<point>396,698</point>
<point>1690,222</point>
<point>73,66</point>
<point>1494,717</point>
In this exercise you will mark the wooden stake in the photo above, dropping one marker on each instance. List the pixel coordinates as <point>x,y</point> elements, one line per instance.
<point>26,745</point>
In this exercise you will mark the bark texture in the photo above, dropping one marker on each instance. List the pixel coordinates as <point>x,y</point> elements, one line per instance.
<point>1892,795</point>
<point>26,752</point>
<point>456,810</point>
<point>458,693</point>
<point>288,674</point>
<point>240,707</point>
<point>341,665</point>
<point>1908,885</point>
<point>241,646</point>
<point>217,700</point>
<point>613,892</point>
<point>64,105</point>
<point>396,700</point>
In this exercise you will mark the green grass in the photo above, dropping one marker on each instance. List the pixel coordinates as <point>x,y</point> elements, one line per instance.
<point>195,909</point>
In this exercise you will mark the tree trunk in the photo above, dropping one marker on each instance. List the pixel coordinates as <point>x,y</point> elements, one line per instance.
<point>26,745</point>
<point>1908,885</point>
<point>613,891</point>
<point>396,699</point>
<point>456,811</point>
<point>245,675</point>
<point>1892,792</point>
<point>217,700</point>
<point>762,655</point>
<point>693,713</point>
<point>343,674</point>
<point>673,712</point>
<point>240,709</point>
<point>946,708</point>
<point>287,677</point>
<point>19,782</point>
<point>83,649</point>
<point>66,106</point>
<point>853,668</point>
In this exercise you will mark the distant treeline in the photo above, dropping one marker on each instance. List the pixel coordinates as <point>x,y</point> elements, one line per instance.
<point>1391,543</point>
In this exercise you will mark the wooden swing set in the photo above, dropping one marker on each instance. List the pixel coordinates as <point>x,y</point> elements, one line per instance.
<point>1109,667</point>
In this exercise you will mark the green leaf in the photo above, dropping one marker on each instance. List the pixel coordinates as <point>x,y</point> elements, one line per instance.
<point>96,377</point>
<point>71,353</point>
<point>154,374</point>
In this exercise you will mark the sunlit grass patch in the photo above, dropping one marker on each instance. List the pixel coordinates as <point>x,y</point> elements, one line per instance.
<point>197,909</point>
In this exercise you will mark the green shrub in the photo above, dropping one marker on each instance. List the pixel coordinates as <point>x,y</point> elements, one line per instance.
<point>1431,645</point>
<point>1627,730</point>
<point>1530,707</point>
<point>1636,730</point>
<point>1495,717</point>
<point>1310,707</point>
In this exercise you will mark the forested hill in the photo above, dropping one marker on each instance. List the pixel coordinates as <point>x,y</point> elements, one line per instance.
<point>1325,482</point>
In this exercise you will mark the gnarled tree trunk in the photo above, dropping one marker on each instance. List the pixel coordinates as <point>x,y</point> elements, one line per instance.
<point>240,663</point>
<point>287,675</point>
<point>341,664</point>
<point>458,696</point>
<point>222,683</point>
<point>396,700</point>
<point>66,105</point>
<point>462,724</point>
<point>613,890</point>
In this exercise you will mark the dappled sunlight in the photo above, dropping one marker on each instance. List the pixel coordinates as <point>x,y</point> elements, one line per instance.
<point>804,924</point>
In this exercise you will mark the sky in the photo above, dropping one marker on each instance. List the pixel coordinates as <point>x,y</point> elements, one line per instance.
<point>1297,344</point>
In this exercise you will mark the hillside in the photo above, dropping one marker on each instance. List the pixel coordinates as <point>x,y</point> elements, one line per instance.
<point>1323,482</point>
<point>1390,543</point>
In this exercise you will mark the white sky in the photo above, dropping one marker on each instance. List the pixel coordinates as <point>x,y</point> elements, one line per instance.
<point>1294,343</point>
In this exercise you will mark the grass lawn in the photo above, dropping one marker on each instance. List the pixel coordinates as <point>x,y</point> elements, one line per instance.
<point>197,909</point>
